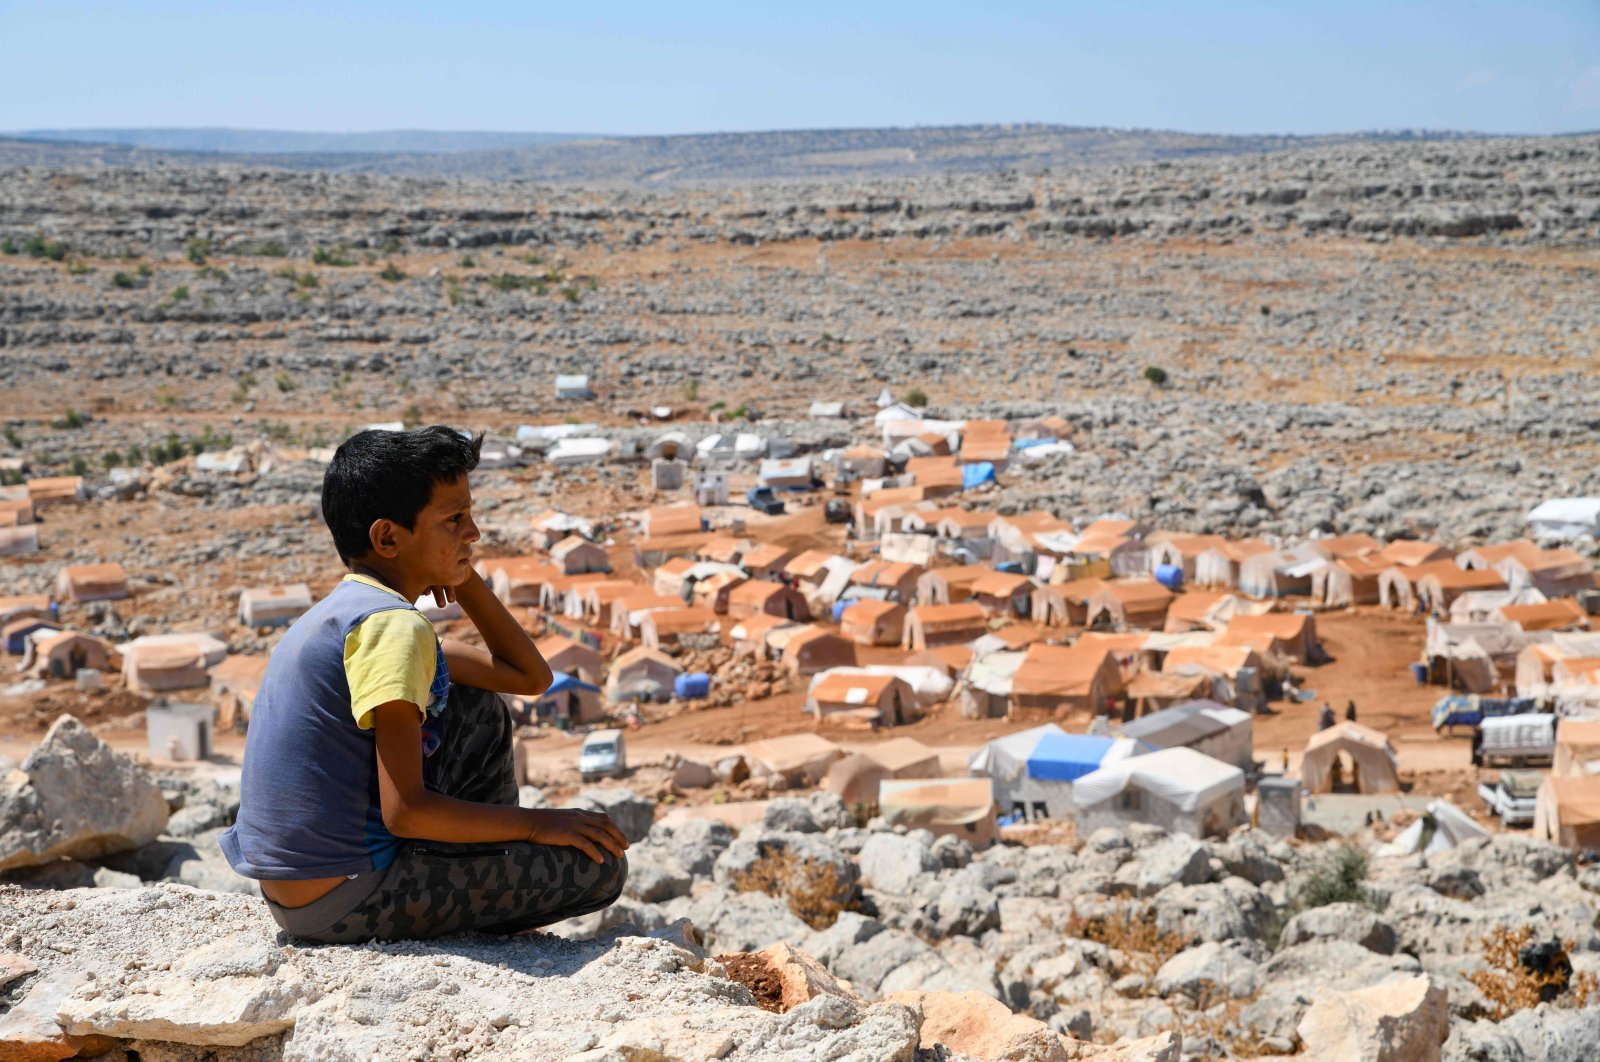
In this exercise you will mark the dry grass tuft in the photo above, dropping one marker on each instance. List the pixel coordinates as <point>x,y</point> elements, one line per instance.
<point>1133,933</point>
<point>812,890</point>
<point>1510,985</point>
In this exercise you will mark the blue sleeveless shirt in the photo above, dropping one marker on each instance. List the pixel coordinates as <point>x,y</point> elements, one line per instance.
<point>309,805</point>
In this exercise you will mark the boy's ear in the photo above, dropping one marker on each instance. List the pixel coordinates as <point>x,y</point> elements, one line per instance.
<point>384,536</point>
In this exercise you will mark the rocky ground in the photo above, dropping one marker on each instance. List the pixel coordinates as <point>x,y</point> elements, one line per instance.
<point>140,944</point>
<point>1390,337</point>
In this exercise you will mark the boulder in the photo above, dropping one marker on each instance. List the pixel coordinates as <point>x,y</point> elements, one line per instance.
<point>802,978</point>
<point>974,1024</point>
<point>75,798</point>
<point>789,814</point>
<point>1248,854</point>
<point>1546,1032</point>
<point>965,904</point>
<point>1340,921</point>
<point>632,813</point>
<point>892,863</point>
<point>119,970</point>
<point>1211,969</point>
<point>1402,1021</point>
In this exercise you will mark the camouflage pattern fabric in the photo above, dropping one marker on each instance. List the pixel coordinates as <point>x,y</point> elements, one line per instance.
<point>434,888</point>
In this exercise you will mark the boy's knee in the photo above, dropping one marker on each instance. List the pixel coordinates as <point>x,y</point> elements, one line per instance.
<point>614,877</point>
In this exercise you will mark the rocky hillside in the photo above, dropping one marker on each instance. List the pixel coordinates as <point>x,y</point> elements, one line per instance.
<point>1392,338</point>
<point>874,943</point>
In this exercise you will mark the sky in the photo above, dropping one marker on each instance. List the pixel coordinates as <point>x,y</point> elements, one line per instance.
<point>662,68</point>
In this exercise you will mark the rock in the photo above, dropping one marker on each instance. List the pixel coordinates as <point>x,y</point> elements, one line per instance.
<point>531,796</point>
<point>195,818</point>
<point>974,1024</point>
<point>1458,883</point>
<point>632,813</point>
<point>696,844</point>
<point>951,851</point>
<point>802,978</point>
<point>13,966</point>
<point>1402,1021</point>
<point>790,814</point>
<point>652,882</point>
<point>1340,921</point>
<point>106,878</point>
<point>73,797</point>
<point>1546,1032</point>
<point>892,863</point>
<point>1199,971</point>
<point>964,904</point>
<point>1175,860</point>
<point>691,774</point>
<point>1248,854</point>
<point>745,921</point>
<point>829,811</point>
<point>120,970</point>
<point>1309,967</point>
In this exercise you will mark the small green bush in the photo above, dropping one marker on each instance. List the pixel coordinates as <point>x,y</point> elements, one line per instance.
<point>272,249</point>
<point>285,382</point>
<point>392,273</point>
<point>124,280</point>
<point>12,438</point>
<point>8,246</point>
<point>333,256</point>
<point>180,293</point>
<point>1334,877</point>
<point>144,270</point>
<point>71,420</point>
<point>1156,375</point>
<point>392,245</point>
<point>77,267</point>
<point>79,466</point>
<point>197,248</point>
<point>691,390</point>
<point>39,247</point>
<point>916,397</point>
<point>111,459</point>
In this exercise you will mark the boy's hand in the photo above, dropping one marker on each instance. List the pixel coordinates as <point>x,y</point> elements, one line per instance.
<point>442,595</point>
<point>588,831</point>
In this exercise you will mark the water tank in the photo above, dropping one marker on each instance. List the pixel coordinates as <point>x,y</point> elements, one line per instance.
<point>692,685</point>
<point>1170,576</point>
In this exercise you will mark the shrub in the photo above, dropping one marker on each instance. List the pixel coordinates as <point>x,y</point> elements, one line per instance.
<point>135,454</point>
<point>392,273</point>
<point>812,890</point>
<point>1334,877</point>
<point>1144,946</point>
<point>308,279</point>
<point>333,256</point>
<point>569,293</point>
<point>412,415</point>
<point>392,245</point>
<point>285,382</point>
<point>144,269</point>
<point>70,420</point>
<point>1511,984</point>
<point>180,293</point>
<point>1156,375</point>
<point>197,248</point>
<point>272,249</point>
<point>467,261</point>
<point>691,390</point>
<point>111,459</point>
<point>285,272</point>
<point>8,246</point>
<point>513,282</point>
<point>77,267</point>
<point>452,291</point>
<point>37,246</point>
<point>12,438</point>
<point>916,397</point>
<point>79,466</point>
<point>123,280</point>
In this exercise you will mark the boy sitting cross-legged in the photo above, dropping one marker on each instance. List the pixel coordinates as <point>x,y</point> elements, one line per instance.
<point>379,799</point>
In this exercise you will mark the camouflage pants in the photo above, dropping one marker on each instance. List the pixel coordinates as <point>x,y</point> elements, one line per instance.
<point>434,888</point>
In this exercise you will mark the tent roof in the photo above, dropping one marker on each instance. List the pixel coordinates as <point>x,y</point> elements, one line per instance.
<point>1067,757</point>
<point>1006,757</point>
<point>1183,724</point>
<point>950,617</point>
<point>1578,799</point>
<point>644,653</point>
<point>1064,671</point>
<point>899,753</point>
<point>781,754</point>
<point>936,801</point>
<point>1545,616</point>
<point>767,555</point>
<point>854,688</point>
<point>1182,776</point>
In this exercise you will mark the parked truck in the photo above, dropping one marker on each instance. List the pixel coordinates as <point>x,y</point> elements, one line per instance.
<point>762,500</point>
<point>1513,797</point>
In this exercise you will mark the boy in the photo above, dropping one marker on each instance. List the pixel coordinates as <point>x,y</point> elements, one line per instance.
<point>379,799</point>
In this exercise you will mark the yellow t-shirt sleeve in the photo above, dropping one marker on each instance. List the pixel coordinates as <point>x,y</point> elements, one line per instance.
<point>389,656</point>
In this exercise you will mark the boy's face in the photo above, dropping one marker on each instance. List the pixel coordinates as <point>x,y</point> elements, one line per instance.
<point>438,550</point>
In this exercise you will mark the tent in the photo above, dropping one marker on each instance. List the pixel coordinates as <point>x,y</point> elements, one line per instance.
<point>846,698</point>
<point>874,623</point>
<point>801,759</point>
<point>1179,789</point>
<point>957,807</point>
<point>975,475</point>
<point>1567,812</point>
<point>1220,732</point>
<point>1450,826</point>
<point>855,778</point>
<point>641,674</point>
<point>1035,769</point>
<point>569,697</point>
<point>1565,518</point>
<point>1577,749</point>
<point>1376,767</point>
<point>934,625</point>
<point>155,663</point>
<point>805,650</point>
<point>1055,679</point>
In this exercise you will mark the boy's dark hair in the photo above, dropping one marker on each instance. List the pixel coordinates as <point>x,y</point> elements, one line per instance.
<point>378,475</point>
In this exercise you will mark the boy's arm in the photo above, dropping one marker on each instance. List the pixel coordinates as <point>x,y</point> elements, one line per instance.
<point>510,662</point>
<point>412,810</point>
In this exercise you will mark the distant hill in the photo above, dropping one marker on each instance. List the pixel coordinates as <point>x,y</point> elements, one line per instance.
<point>802,154</point>
<point>275,141</point>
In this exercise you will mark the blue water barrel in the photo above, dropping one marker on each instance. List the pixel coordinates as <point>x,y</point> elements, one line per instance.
<point>692,685</point>
<point>1170,576</point>
<point>839,607</point>
<point>1420,673</point>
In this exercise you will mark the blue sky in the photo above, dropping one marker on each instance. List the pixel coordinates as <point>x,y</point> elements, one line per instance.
<point>623,67</point>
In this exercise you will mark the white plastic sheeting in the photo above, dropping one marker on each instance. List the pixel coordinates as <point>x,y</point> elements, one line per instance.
<point>1529,735</point>
<point>578,451</point>
<point>1182,777</point>
<point>1451,826</point>
<point>1565,518</point>
<point>1006,759</point>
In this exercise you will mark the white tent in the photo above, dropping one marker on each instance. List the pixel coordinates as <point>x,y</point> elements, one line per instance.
<point>578,451</point>
<point>1005,762</point>
<point>1215,729</point>
<point>548,433</point>
<point>1451,826</point>
<point>1529,736</point>
<point>1565,518</point>
<point>1180,789</point>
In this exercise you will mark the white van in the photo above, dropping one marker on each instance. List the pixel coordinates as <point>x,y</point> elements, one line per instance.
<point>603,755</point>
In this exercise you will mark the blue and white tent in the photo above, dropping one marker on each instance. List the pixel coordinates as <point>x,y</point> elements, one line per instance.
<point>1037,767</point>
<point>571,698</point>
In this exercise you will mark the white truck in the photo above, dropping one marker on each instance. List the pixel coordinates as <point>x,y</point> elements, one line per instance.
<point>603,755</point>
<point>1513,797</point>
<point>1515,740</point>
